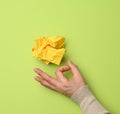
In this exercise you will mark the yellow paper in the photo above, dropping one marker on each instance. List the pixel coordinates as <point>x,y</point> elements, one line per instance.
<point>49,49</point>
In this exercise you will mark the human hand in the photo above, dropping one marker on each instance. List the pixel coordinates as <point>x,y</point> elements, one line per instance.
<point>61,84</point>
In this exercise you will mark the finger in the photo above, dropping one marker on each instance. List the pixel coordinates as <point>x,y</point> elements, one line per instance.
<point>60,75</point>
<point>45,83</point>
<point>74,69</point>
<point>46,77</point>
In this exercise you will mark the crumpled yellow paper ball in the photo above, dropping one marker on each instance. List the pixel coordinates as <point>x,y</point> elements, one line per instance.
<point>49,49</point>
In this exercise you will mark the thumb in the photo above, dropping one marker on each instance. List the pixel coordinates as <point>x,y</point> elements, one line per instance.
<point>74,69</point>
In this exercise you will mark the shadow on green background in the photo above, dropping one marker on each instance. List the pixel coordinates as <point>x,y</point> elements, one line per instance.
<point>92,31</point>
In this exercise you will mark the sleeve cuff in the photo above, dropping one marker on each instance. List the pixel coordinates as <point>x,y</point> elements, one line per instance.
<point>88,103</point>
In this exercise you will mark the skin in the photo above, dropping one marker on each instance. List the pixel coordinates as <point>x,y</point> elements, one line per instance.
<point>61,84</point>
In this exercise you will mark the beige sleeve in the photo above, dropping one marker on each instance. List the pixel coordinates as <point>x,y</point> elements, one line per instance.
<point>88,102</point>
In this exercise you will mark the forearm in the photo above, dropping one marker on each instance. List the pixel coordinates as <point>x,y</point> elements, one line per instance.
<point>88,102</point>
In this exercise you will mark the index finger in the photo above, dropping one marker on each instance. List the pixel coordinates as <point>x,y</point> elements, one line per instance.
<point>74,69</point>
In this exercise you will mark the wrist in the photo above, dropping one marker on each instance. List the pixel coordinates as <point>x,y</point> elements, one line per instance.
<point>81,93</point>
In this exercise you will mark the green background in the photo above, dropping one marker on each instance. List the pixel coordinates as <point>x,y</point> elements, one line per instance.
<point>92,32</point>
